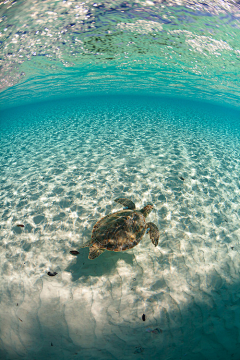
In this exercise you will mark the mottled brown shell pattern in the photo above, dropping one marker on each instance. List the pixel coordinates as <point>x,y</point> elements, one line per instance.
<point>119,231</point>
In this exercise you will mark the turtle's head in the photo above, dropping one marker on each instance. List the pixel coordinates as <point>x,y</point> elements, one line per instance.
<point>147,209</point>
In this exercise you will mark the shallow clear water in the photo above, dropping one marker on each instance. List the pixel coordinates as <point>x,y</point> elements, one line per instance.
<point>63,164</point>
<point>119,99</point>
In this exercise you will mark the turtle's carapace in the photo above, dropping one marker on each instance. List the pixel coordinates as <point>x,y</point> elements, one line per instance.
<point>121,230</point>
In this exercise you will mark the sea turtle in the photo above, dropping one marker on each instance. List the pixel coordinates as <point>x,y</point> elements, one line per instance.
<point>121,230</point>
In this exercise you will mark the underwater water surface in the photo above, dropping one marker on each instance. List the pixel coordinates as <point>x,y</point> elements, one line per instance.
<point>135,99</point>
<point>58,49</point>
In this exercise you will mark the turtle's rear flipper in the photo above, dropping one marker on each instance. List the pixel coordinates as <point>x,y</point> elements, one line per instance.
<point>126,202</point>
<point>94,253</point>
<point>154,233</point>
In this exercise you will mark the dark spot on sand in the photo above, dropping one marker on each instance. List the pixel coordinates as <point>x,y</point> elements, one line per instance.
<point>138,350</point>
<point>180,177</point>
<point>51,344</point>
<point>51,273</point>
<point>74,252</point>
<point>20,225</point>
<point>143,317</point>
<point>17,304</point>
<point>232,247</point>
<point>156,331</point>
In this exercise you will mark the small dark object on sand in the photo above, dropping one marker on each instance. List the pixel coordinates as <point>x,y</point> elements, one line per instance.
<point>180,177</point>
<point>156,331</point>
<point>20,225</point>
<point>74,252</point>
<point>51,344</point>
<point>138,350</point>
<point>51,273</point>
<point>143,317</point>
<point>232,247</point>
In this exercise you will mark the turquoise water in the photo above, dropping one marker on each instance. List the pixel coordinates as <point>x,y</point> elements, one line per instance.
<point>119,99</point>
<point>63,164</point>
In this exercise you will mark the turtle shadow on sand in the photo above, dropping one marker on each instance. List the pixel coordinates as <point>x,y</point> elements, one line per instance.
<point>105,264</point>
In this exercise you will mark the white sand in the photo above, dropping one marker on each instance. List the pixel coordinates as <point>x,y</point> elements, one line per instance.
<point>63,174</point>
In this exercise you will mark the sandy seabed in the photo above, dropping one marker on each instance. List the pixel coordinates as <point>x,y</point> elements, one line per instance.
<point>62,167</point>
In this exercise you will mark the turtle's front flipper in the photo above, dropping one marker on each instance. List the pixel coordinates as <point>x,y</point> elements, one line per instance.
<point>126,202</point>
<point>94,253</point>
<point>154,232</point>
